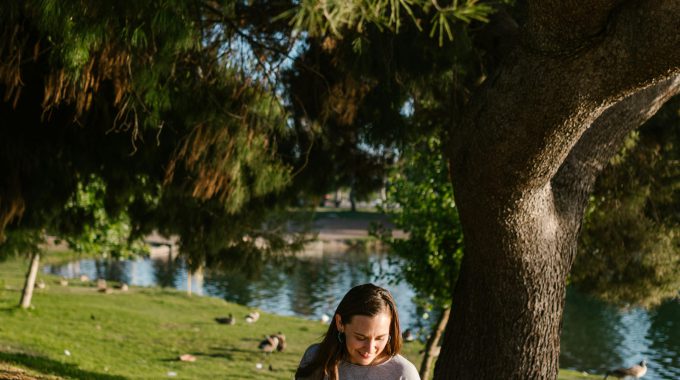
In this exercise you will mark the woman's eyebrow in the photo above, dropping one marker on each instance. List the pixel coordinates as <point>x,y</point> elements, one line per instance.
<point>366,336</point>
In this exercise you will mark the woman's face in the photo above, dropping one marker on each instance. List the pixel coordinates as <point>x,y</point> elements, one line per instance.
<point>366,337</point>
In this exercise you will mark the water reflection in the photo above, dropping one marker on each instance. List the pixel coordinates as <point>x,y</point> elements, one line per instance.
<point>306,287</point>
<point>165,273</point>
<point>597,337</point>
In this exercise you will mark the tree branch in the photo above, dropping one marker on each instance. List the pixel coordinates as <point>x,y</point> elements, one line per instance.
<point>531,114</point>
<point>561,26</point>
<point>576,178</point>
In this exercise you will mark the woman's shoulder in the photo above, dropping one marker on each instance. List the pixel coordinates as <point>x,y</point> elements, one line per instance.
<point>309,354</point>
<point>404,367</point>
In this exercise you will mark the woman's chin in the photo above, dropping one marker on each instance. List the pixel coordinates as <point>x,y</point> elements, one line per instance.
<point>363,360</point>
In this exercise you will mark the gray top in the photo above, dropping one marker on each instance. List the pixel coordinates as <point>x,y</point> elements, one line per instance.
<point>395,368</point>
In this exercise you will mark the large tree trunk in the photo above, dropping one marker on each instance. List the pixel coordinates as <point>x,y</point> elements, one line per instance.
<point>505,321</point>
<point>523,161</point>
<point>29,284</point>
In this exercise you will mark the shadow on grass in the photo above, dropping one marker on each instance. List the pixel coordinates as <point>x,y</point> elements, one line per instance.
<point>52,367</point>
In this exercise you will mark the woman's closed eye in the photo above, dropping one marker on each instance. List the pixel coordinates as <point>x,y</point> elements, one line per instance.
<point>362,338</point>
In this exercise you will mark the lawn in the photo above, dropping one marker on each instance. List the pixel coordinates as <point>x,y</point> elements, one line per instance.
<point>77,332</point>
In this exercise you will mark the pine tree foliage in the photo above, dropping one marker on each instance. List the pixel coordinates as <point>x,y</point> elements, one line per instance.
<point>217,110</point>
<point>335,17</point>
<point>361,85</point>
<point>141,98</point>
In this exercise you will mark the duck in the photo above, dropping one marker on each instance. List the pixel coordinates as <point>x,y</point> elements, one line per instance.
<point>252,317</point>
<point>273,342</point>
<point>230,320</point>
<point>408,335</point>
<point>269,344</point>
<point>636,371</point>
<point>282,341</point>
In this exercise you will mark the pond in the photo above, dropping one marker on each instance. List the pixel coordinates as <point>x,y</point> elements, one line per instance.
<point>307,287</point>
<point>595,336</point>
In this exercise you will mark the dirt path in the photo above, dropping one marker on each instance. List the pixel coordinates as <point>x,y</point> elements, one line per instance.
<point>338,228</point>
<point>9,372</point>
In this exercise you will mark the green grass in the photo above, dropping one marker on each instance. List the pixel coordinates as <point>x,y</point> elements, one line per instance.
<point>57,257</point>
<point>140,333</point>
<point>566,374</point>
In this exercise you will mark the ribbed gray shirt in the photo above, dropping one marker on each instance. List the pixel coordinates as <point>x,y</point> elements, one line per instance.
<point>395,368</point>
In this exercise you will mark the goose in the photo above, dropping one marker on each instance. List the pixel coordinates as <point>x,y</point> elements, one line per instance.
<point>252,317</point>
<point>273,342</point>
<point>282,342</point>
<point>230,320</point>
<point>636,371</point>
<point>269,344</point>
<point>408,335</point>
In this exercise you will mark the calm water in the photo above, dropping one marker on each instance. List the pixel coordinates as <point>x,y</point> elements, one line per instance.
<point>595,336</point>
<point>306,287</point>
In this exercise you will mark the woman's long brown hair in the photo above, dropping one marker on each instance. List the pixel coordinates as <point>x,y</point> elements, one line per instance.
<point>368,300</point>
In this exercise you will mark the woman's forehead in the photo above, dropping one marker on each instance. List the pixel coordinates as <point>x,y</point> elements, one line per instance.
<point>363,324</point>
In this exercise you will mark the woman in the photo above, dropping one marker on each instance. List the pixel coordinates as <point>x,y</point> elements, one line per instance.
<point>362,342</point>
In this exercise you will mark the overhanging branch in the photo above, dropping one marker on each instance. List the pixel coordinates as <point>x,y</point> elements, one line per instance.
<point>535,110</point>
<point>558,26</point>
<point>576,178</point>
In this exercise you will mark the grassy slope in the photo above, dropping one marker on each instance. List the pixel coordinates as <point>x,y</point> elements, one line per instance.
<point>139,334</point>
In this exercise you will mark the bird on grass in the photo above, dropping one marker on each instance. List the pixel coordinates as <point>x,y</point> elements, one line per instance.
<point>273,342</point>
<point>408,335</point>
<point>230,320</point>
<point>282,342</point>
<point>636,371</point>
<point>252,317</point>
<point>269,344</point>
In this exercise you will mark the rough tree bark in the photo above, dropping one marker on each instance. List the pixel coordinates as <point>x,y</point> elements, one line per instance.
<point>523,161</point>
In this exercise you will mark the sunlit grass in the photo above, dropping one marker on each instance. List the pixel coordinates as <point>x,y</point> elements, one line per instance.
<point>139,334</point>
<point>77,332</point>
